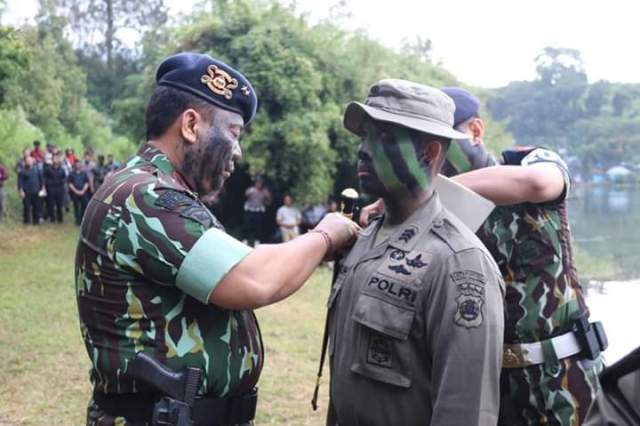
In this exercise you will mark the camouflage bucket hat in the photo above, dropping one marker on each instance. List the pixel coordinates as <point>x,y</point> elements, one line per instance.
<point>412,105</point>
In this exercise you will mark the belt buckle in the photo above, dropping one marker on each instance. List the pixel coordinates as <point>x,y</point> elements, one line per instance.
<point>515,356</point>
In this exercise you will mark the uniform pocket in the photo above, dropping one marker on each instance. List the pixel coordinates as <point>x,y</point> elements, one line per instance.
<point>383,347</point>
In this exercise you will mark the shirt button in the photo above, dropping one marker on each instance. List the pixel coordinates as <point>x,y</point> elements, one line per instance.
<point>438,223</point>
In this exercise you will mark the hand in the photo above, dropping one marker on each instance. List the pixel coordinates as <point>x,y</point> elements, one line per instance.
<point>341,230</point>
<point>22,194</point>
<point>367,212</point>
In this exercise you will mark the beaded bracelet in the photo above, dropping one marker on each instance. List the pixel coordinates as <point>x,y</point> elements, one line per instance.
<point>326,237</point>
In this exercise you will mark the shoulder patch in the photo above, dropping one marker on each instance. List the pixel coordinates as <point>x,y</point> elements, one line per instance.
<point>541,155</point>
<point>200,214</point>
<point>189,208</point>
<point>172,199</point>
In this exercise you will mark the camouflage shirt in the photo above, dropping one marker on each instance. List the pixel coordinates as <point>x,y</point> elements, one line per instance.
<point>532,245</point>
<point>149,256</point>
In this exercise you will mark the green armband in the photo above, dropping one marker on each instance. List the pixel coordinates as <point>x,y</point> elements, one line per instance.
<point>208,261</point>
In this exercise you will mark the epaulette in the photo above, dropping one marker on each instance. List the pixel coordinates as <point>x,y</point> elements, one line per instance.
<point>451,235</point>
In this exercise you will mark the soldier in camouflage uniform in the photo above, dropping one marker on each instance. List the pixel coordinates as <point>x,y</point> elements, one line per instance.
<point>155,271</point>
<point>529,237</point>
<point>544,380</point>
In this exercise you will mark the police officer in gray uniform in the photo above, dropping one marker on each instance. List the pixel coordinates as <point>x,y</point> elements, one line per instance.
<point>416,310</point>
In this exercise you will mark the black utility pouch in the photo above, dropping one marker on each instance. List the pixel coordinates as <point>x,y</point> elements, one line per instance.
<point>591,336</point>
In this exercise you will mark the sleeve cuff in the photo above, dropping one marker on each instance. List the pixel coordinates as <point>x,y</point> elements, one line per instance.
<point>209,260</point>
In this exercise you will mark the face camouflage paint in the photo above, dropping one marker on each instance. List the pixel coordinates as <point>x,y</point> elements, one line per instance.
<point>394,151</point>
<point>457,159</point>
<point>463,156</point>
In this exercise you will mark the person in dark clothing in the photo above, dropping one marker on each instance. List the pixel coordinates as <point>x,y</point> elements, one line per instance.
<point>3,177</point>
<point>54,180</point>
<point>78,182</point>
<point>99,172</point>
<point>30,183</point>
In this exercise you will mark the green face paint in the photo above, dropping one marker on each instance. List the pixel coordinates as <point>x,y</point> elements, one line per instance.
<point>457,159</point>
<point>409,155</point>
<point>395,159</point>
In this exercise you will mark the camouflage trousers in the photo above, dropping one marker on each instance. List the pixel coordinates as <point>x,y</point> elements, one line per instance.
<point>556,393</point>
<point>97,417</point>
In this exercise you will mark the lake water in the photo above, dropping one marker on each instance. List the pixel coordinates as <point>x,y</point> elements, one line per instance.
<point>605,222</point>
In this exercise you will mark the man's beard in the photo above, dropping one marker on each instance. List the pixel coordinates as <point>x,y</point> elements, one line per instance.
<point>206,162</point>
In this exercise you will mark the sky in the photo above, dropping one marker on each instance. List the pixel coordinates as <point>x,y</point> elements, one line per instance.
<point>484,43</point>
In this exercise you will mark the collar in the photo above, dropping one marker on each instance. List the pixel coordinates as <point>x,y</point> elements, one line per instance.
<point>156,157</point>
<point>406,236</point>
<point>159,160</point>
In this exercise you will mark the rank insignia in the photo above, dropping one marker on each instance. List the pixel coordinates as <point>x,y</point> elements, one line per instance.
<point>407,234</point>
<point>220,82</point>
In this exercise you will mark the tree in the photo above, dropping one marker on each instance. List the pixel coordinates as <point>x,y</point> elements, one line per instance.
<point>538,112</point>
<point>102,30</point>
<point>14,59</point>
<point>560,66</point>
<point>304,76</point>
<point>100,24</point>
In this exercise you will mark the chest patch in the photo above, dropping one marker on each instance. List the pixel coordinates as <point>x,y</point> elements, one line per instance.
<point>405,265</point>
<point>392,290</point>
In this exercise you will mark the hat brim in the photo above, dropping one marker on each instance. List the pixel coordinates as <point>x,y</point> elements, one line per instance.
<point>357,111</point>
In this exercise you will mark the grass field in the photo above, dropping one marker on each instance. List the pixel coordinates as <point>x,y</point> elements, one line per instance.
<point>43,362</point>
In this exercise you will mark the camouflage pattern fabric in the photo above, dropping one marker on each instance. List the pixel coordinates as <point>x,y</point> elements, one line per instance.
<point>137,230</point>
<point>531,244</point>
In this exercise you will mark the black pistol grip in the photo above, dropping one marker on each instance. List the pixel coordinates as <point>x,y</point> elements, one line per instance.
<point>148,370</point>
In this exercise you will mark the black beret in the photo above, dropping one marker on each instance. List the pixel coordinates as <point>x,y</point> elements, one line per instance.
<point>210,79</point>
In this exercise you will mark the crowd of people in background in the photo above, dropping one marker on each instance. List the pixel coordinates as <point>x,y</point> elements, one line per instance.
<point>50,180</point>
<point>291,220</point>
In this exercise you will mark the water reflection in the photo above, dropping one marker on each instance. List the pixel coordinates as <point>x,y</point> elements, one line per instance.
<point>604,222</point>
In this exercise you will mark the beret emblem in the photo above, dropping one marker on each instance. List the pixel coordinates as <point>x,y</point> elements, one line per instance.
<point>219,81</point>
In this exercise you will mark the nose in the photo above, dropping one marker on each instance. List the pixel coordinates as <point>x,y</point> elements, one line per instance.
<point>236,155</point>
<point>364,154</point>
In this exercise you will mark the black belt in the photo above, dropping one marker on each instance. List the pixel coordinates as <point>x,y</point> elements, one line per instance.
<point>139,407</point>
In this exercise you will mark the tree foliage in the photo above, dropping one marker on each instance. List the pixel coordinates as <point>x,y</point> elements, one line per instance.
<point>597,123</point>
<point>74,79</point>
<point>304,76</point>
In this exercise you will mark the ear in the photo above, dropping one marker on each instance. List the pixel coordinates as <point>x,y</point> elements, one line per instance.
<point>431,151</point>
<point>189,120</point>
<point>477,130</point>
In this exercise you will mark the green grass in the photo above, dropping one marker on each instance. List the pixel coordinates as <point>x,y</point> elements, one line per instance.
<point>44,365</point>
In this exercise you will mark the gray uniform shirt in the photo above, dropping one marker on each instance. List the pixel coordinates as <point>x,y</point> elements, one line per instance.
<point>416,327</point>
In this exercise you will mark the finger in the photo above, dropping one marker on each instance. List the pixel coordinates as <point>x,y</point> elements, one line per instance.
<point>364,218</point>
